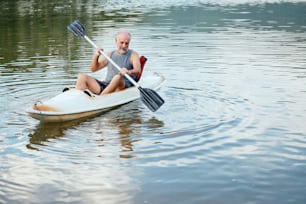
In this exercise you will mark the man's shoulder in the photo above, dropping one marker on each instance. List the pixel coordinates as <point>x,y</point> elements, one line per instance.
<point>134,53</point>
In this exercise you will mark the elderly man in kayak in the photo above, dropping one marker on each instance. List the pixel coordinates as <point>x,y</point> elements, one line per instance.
<point>124,57</point>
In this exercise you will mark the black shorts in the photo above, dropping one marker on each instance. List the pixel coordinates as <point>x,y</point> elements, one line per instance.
<point>128,84</point>
<point>102,85</point>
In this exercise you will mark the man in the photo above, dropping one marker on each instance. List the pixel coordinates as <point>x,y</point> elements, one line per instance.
<point>124,57</point>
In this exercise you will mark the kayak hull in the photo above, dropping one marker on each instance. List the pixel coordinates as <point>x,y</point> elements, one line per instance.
<point>75,104</point>
<point>54,118</point>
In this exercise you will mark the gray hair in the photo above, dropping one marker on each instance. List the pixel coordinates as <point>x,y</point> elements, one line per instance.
<point>122,32</point>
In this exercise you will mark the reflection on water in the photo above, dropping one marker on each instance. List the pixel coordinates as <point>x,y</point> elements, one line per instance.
<point>29,25</point>
<point>126,126</point>
<point>46,131</point>
<point>232,128</point>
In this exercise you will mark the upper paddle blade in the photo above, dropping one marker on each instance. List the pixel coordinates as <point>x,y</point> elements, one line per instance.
<point>77,28</point>
<point>151,99</point>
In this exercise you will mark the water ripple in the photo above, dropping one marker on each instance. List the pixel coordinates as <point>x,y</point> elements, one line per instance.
<point>216,129</point>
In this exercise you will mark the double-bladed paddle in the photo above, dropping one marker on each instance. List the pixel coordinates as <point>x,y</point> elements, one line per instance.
<point>148,96</point>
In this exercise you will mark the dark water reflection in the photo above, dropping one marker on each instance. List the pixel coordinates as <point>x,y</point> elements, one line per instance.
<point>232,128</point>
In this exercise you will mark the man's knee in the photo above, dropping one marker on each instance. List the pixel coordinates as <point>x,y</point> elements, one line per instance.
<point>116,84</point>
<point>117,77</point>
<point>82,76</point>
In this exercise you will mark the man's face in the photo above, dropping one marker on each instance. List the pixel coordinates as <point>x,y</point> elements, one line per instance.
<point>123,42</point>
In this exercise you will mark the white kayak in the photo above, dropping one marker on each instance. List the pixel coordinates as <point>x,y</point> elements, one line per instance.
<point>75,104</point>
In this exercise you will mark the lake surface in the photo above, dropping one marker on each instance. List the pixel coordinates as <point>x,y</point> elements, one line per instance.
<point>232,129</point>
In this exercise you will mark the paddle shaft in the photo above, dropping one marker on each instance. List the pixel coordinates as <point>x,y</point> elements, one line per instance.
<point>111,61</point>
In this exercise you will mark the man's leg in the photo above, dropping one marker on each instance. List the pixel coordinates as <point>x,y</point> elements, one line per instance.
<point>87,82</point>
<point>116,84</point>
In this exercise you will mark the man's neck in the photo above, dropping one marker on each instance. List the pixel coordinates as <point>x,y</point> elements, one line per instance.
<point>121,52</point>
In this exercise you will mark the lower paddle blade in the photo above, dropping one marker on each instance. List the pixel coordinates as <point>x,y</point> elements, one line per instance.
<point>151,99</point>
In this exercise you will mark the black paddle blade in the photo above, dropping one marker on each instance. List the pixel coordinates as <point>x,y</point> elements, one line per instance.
<point>151,99</point>
<point>77,28</point>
